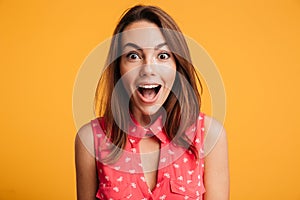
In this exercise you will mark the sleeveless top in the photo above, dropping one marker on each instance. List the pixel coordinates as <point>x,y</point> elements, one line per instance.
<point>179,174</point>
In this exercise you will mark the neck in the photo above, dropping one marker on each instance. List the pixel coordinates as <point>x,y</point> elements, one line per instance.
<point>145,120</point>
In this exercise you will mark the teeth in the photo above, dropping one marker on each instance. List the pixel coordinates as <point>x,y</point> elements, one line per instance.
<point>148,86</point>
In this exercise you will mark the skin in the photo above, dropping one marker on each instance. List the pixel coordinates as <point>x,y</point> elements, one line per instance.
<point>216,172</point>
<point>86,176</point>
<point>146,60</point>
<point>149,61</point>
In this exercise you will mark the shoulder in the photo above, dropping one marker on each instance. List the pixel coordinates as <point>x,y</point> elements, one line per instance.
<point>211,125</point>
<point>85,138</point>
<point>214,133</point>
<point>86,174</point>
<point>85,133</point>
<point>85,129</point>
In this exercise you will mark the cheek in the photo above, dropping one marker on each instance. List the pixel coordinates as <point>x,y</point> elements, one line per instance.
<point>128,77</point>
<point>127,68</point>
<point>170,80</point>
<point>124,75</point>
<point>169,74</point>
<point>126,82</point>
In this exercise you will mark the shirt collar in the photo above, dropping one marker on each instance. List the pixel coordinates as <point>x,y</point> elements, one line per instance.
<point>136,132</point>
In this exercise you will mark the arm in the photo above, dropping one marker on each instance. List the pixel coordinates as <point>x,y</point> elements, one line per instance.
<point>216,172</point>
<point>86,176</point>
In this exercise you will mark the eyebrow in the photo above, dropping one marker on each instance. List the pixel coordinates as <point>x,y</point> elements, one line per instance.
<point>137,47</point>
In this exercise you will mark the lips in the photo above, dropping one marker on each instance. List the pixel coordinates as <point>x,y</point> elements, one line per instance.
<point>148,92</point>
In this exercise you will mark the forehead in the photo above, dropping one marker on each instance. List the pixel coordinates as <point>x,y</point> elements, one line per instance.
<point>142,33</point>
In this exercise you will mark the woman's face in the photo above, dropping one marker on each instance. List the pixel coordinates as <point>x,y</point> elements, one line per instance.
<point>147,67</point>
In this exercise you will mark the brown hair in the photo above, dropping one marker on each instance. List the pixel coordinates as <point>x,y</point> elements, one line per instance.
<point>183,103</point>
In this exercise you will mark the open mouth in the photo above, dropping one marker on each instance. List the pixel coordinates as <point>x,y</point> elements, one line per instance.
<point>149,92</point>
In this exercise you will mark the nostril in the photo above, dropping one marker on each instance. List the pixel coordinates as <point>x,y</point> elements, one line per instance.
<point>147,70</point>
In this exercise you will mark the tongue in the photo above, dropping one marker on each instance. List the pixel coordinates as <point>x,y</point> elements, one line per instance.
<point>148,93</point>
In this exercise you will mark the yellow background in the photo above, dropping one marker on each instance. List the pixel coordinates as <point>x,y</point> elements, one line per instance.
<point>254,43</point>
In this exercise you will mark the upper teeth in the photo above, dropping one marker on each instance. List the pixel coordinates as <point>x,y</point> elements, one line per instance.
<point>148,86</point>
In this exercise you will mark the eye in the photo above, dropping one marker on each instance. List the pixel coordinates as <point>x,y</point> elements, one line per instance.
<point>132,56</point>
<point>163,56</point>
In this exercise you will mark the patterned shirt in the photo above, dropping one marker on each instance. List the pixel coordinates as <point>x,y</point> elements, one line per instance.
<point>179,174</point>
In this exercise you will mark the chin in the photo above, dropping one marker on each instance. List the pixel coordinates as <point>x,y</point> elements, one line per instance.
<point>150,110</point>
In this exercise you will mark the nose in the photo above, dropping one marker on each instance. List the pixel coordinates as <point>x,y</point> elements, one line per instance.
<point>148,67</point>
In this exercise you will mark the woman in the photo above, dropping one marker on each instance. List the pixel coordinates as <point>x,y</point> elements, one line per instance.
<point>149,142</point>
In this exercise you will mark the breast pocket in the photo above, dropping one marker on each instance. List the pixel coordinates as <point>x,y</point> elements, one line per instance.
<point>114,192</point>
<point>186,191</point>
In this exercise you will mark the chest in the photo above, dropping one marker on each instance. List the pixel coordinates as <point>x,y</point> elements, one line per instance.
<point>150,153</point>
<point>152,170</point>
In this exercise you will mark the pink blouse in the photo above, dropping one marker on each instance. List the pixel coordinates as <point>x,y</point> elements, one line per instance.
<point>179,175</point>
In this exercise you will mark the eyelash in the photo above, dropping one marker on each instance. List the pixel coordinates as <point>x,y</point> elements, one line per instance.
<point>137,54</point>
<point>164,53</point>
<point>132,53</point>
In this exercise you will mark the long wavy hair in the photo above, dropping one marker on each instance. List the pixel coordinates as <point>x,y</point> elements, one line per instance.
<point>183,103</point>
